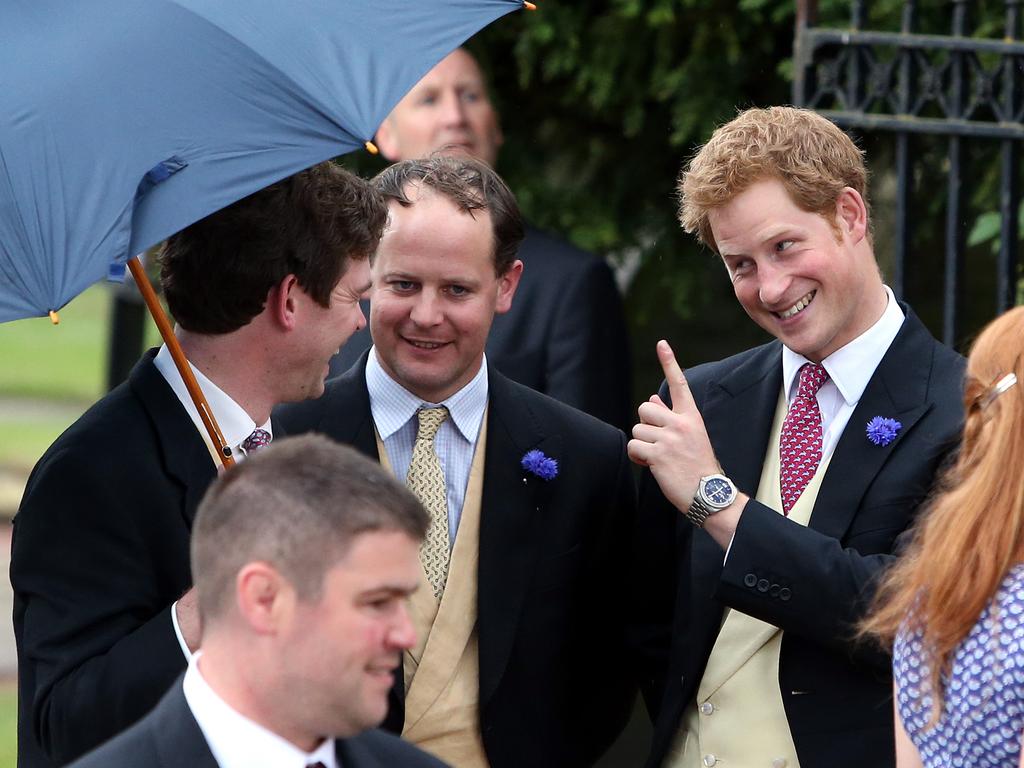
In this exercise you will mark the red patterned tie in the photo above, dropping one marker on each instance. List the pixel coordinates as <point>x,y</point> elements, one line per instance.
<point>259,438</point>
<point>800,443</point>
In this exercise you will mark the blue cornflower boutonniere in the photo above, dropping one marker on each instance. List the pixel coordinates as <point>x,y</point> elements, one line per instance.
<point>882,431</point>
<point>540,465</point>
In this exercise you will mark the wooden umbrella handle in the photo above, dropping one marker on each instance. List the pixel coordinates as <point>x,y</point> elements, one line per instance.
<point>167,332</point>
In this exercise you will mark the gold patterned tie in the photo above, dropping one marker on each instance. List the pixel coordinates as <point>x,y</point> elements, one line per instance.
<point>426,481</point>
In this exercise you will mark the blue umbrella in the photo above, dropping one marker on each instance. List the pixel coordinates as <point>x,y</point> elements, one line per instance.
<point>123,121</point>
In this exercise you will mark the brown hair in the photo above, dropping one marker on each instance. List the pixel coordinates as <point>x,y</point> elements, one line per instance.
<point>972,531</point>
<point>217,272</point>
<point>298,505</point>
<point>472,186</point>
<point>809,154</point>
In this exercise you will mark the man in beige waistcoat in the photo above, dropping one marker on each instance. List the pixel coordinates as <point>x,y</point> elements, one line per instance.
<point>520,660</point>
<point>566,333</point>
<point>779,480</point>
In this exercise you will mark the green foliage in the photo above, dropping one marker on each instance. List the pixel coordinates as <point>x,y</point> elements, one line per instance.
<point>602,102</point>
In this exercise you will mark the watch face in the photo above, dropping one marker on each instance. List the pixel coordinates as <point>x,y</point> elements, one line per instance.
<point>718,490</point>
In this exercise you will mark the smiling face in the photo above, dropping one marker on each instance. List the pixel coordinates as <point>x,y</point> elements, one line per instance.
<point>324,330</point>
<point>435,294</point>
<point>448,108</point>
<point>341,651</point>
<point>813,287</point>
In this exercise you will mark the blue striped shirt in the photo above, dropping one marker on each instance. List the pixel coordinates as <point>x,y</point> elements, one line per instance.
<point>394,408</point>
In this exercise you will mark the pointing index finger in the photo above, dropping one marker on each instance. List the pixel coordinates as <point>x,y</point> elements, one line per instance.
<point>678,389</point>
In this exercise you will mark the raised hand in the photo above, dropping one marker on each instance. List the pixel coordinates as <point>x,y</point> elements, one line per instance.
<point>673,441</point>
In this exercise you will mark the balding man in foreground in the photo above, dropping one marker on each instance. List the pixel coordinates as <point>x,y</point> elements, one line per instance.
<point>303,558</point>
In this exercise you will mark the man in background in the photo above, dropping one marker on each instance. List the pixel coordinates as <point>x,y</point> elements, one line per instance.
<point>566,334</point>
<point>303,558</point>
<point>264,292</point>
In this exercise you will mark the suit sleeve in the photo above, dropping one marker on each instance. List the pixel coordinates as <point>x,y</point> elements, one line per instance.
<point>96,638</point>
<point>820,587</point>
<point>588,359</point>
<point>652,573</point>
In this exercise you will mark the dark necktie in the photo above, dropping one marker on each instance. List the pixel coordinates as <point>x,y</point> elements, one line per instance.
<point>800,441</point>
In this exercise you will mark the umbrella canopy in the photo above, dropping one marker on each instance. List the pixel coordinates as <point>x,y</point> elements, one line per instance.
<point>124,121</point>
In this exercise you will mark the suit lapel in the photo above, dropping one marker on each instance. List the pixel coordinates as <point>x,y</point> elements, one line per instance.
<point>346,415</point>
<point>898,389</point>
<point>179,741</point>
<point>511,512</point>
<point>738,410</point>
<point>185,455</point>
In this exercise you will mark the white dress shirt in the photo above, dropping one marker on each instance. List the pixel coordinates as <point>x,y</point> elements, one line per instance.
<point>235,425</point>
<point>849,368</point>
<point>238,742</point>
<point>394,413</point>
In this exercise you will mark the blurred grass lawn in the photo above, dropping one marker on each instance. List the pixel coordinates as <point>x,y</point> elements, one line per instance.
<point>8,725</point>
<point>62,365</point>
<point>58,362</point>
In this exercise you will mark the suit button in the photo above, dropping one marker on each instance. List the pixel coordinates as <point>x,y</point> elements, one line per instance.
<point>682,680</point>
<point>762,585</point>
<point>710,760</point>
<point>779,762</point>
<point>750,580</point>
<point>774,591</point>
<point>707,708</point>
<point>785,594</point>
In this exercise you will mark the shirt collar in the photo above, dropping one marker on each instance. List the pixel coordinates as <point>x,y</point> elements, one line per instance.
<point>851,367</point>
<point>235,424</point>
<point>238,742</point>
<point>392,405</point>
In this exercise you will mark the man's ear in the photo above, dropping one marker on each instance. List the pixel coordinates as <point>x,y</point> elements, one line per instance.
<point>282,305</point>
<point>264,598</point>
<point>386,140</point>
<point>851,214</point>
<point>507,285</point>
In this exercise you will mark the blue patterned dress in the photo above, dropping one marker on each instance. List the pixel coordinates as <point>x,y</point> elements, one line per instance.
<point>983,712</point>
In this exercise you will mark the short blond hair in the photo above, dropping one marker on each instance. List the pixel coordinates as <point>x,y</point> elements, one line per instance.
<point>809,154</point>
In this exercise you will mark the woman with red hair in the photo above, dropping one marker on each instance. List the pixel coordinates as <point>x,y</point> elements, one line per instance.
<point>953,605</point>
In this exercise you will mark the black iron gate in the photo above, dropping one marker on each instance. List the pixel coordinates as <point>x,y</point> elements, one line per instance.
<point>958,86</point>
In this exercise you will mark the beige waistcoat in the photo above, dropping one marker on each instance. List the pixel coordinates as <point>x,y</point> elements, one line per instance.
<point>738,719</point>
<point>442,672</point>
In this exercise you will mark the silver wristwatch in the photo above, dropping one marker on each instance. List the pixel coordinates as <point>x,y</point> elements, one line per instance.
<point>714,493</point>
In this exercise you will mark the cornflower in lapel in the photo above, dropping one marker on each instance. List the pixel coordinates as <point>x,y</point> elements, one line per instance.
<point>540,465</point>
<point>882,431</point>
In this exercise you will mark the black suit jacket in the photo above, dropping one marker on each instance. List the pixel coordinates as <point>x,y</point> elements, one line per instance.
<point>814,582</point>
<point>170,737</point>
<point>100,552</point>
<point>565,334</point>
<point>554,688</point>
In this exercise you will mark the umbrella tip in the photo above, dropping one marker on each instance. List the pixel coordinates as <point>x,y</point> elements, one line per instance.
<point>371,148</point>
<point>529,6</point>
<point>54,318</point>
